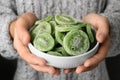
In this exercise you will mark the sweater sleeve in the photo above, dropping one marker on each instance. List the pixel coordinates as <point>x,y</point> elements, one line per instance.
<point>7,14</point>
<point>112,12</point>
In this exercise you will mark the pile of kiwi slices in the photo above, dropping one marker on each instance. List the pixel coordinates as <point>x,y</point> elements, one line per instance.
<point>62,35</point>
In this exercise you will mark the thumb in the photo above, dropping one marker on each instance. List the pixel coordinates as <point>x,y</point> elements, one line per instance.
<point>101,33</point>
<point>101,25</point>
<point>23,35</point>
<point>102,30</point>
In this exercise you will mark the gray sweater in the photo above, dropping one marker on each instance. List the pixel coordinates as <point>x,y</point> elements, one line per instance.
<point>11,9</point>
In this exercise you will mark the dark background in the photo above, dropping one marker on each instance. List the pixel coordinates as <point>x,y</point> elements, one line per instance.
<point>8,67</point>
<point>113,66</point>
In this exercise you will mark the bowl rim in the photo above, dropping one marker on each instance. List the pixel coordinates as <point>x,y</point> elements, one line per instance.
<point>67,57</point>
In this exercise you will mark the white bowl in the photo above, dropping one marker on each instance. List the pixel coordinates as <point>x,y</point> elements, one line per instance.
<point>64,61</point>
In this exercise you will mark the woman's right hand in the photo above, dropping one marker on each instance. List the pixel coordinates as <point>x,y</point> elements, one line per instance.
<point>21,37</point>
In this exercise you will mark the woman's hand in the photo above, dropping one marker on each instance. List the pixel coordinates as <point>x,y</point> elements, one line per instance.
<point>21,37</point>
<point>101,24</point>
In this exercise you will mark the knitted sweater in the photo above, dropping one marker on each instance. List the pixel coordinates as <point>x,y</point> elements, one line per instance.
<point>11,9</point>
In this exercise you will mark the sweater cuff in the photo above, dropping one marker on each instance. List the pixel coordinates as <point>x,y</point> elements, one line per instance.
<point>114,22</point>
<point>6,44</point>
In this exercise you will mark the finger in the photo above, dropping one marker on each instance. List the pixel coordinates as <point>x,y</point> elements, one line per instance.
<point>45,69</point>
<point>25,37</point>
<point>80,69</point>
<point>57,72</point>
<point>66,71</point>
<point>26,55</point>
<point>99,56</point>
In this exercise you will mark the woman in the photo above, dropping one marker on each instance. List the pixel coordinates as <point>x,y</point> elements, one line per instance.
<point>18,16</point>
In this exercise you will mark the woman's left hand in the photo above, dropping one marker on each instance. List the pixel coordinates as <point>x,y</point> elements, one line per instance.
<point>101,24</point>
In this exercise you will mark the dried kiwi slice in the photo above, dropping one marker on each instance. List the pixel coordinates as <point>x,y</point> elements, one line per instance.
<point>42,27</point>
<point>89,32</point>
<point>59,37</point>
<point>53,25</point>
<point>65,28</point>
<point>65,19</point>
<point>54,53</point>
<point>68,27</point>
<point>62,51</point>
<point>76,42</point>
<point>44,42</point>
<point>47,19</point>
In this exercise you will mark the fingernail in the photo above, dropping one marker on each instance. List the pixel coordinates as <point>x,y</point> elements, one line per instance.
<point>86,65</point>
<point>52,70</point>
<point>79,71</point>
<point>66,71</point>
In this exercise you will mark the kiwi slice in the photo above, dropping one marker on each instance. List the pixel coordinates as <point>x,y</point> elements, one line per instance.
<point>42,27</point>
<point>44,42</point>
<point>54,53</point>
<point>65,19</point>
<point>76,42</point>
<point>89,32</point>
<point>59,37</point>
<point>47,19</point>
<point>62,51</point>
<point>68,27</point>
<point>53,25</point>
